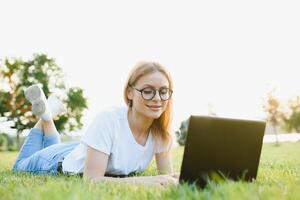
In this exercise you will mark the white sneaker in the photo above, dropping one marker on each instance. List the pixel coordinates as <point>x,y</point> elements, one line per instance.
<point>46,109</point>
<point>56,106</point>
<point>37,98</point>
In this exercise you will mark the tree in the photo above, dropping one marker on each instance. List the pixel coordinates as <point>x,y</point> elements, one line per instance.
<point>181,134</point>
<point>292,119</point>
<point>211,110</point>
<point>272,108</point>
<point>17,74</point>
<point>3,142</point>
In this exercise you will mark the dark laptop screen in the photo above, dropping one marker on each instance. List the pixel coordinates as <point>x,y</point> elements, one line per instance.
<point>220,147</point>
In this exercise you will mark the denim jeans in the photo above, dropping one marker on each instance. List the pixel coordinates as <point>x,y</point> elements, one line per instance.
<point>40,154</point>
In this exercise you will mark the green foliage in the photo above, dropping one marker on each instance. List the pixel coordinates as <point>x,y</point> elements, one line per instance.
<point>12,146</point>
<point>292,121</point>
<point>3,142</point>
<point>76,105</point>
<point>7,143</point>
<point>273,109</point>
<point>181,134</point>
<point>278,178</point>
<point>283,115</point>
<point>17,74</point>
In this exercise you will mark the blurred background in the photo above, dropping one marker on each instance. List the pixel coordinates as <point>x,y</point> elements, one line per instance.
<point>228,58</point>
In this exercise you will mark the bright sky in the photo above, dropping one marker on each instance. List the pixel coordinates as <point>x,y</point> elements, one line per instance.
<point>225,54</point>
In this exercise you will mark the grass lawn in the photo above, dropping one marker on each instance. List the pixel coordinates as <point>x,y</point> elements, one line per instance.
<point>278,178</point>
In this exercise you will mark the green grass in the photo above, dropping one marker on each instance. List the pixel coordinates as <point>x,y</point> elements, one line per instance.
<point>278,178</point>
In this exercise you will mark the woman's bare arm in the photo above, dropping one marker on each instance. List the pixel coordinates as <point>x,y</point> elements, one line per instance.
<point>96,164</point>
<point>164,162</point>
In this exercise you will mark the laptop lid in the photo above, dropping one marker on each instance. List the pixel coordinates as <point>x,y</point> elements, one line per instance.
<point>221,147</point>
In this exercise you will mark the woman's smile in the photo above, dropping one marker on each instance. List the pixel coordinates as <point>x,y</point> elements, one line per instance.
<point>154,107</point>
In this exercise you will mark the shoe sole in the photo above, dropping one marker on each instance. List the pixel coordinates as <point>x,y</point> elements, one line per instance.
<point>34,95</point>
<point>38,108</point>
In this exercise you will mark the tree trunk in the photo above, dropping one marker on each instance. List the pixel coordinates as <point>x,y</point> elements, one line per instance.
<point>18,139</point>
<point>276,135</point>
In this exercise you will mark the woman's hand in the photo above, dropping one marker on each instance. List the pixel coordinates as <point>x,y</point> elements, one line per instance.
<point>160,180</point>
<point>175,175</point>
<point>165,180</point>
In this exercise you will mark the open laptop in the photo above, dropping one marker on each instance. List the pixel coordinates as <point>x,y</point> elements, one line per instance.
<point>218,148</point>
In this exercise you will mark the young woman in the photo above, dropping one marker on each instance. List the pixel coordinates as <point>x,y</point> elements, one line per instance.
<point>119,142</point>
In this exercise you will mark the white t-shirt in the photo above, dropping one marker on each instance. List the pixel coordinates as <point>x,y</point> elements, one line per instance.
<point>110,133</point>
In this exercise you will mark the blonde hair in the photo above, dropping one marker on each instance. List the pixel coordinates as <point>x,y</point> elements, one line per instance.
<point>161,127</point>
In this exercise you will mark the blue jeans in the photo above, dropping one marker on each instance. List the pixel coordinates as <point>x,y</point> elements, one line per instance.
<point>40,154</point>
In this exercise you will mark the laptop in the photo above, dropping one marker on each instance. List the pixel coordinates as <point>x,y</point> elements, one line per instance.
<point>217,149</point>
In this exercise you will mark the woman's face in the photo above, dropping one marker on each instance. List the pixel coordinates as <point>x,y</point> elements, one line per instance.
<point>154,107</point>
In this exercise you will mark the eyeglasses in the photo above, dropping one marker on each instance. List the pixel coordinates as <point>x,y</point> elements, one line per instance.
<point>149,93</point>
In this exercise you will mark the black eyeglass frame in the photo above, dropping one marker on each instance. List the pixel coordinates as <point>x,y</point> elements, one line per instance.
<point>141,91</point>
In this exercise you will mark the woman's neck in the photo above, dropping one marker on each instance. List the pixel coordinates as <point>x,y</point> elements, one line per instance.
<point>138,123</point>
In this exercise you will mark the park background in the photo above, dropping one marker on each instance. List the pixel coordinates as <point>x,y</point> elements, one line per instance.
<point>224,56</point>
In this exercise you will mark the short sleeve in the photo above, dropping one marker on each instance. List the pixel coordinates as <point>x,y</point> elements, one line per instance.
<point>161,147</point>
<point>99,134</point>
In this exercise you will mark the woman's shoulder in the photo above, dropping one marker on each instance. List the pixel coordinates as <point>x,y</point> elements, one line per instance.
<point>112,113</point>
<point>106,121</point>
